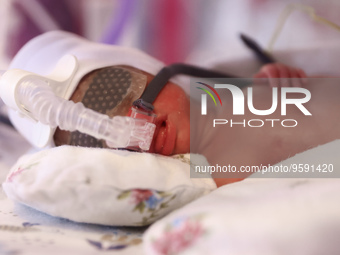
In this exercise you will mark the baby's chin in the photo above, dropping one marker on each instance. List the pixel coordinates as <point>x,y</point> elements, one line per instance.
<point>181,149</point>
<point>182,145</point>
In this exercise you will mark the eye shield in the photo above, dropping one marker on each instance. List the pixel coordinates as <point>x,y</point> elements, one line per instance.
<point>110,91</point>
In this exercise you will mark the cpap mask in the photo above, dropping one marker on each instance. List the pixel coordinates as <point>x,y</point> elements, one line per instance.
<point>41,100</point>
<point>58,66</point>
<point>40,103</point>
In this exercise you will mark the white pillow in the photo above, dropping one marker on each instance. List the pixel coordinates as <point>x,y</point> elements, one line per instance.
<point>105,186</point>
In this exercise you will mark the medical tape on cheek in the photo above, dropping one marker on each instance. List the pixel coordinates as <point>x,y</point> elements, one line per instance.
<point>111,91</point>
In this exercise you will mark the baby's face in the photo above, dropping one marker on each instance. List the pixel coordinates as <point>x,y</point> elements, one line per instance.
<point>172,107</point>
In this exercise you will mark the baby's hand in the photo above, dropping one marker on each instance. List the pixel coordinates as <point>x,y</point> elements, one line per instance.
<point>277,72</point>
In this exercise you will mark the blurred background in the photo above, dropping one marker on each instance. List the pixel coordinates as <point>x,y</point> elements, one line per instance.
<point>194,31</point>
<point>200,32</point>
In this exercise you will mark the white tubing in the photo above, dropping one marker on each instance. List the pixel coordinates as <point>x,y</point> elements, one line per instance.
<point>287,11</point>
<point>119,132</point>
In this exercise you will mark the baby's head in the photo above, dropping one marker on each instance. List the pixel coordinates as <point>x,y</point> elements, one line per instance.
<point>110,90</point>
<point>91,81</point>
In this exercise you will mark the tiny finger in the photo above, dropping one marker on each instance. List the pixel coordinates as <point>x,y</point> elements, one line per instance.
<point>284,75</point>
<point>302,75</point>
<point>273,74</point>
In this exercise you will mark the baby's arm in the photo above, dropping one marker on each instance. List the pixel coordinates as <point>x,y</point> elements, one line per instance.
<point>277,72</point>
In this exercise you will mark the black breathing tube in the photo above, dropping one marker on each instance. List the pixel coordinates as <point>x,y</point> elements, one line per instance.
<point>161,79</point>
<point>259,52</point>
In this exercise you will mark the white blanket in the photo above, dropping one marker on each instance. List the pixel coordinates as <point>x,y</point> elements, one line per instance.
<point>259,216</point>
